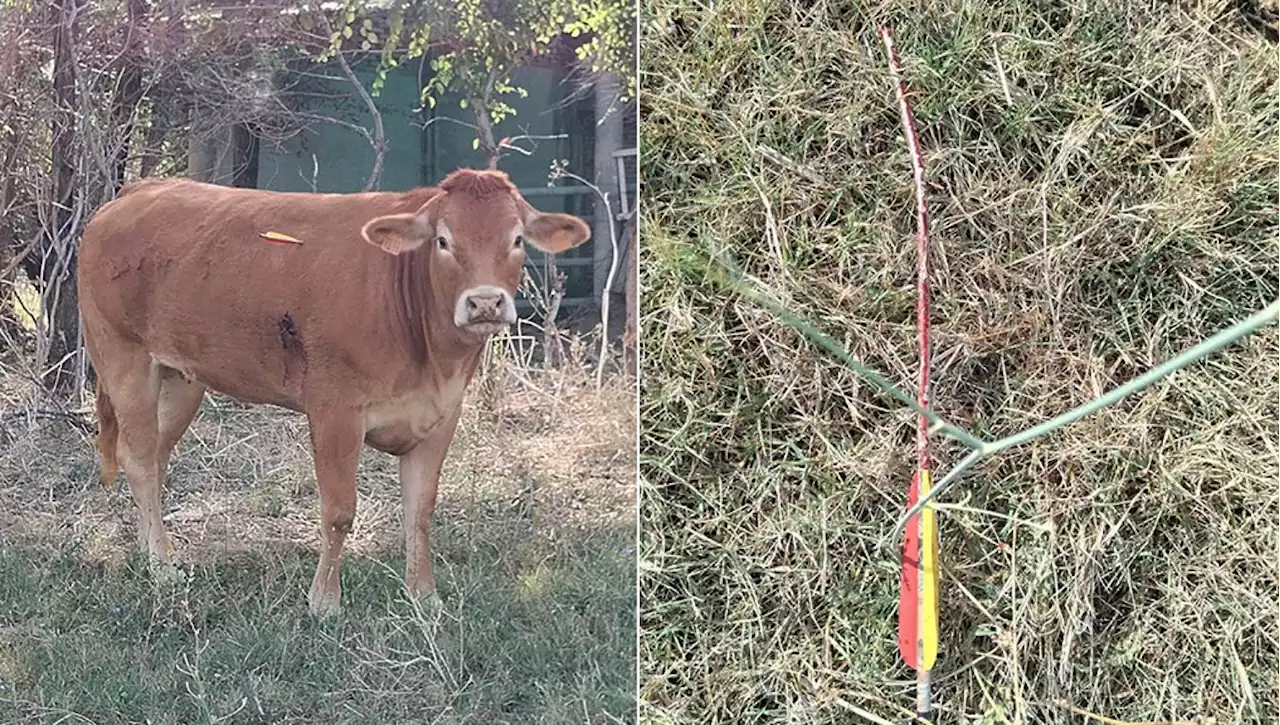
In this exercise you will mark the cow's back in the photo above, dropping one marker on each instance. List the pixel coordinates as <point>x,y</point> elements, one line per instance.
<point>180,269</point>
<point>112,276</point>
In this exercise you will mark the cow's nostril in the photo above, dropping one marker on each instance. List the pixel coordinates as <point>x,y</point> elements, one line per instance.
<point>484,305</point>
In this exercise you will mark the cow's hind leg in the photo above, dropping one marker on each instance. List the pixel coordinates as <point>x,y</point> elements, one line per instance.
<point>336,440</point>
<point>179,401</point>
<point>135,395</point>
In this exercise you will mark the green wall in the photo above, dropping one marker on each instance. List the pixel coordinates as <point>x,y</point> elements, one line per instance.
<point>343,158</point>
<point>423,147</point>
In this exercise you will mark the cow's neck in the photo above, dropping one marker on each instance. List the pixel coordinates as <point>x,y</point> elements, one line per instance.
<point>436,349</point>
<point>427,394</point>
<point>450,354</point>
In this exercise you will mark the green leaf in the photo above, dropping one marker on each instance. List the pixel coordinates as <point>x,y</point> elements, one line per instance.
<point>346,32</point>
<point>475,143</point>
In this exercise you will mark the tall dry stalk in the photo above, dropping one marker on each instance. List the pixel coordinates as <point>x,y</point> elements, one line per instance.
<point>560,172</point>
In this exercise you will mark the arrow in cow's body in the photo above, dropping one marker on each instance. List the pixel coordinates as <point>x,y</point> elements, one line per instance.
<point>279,238</point>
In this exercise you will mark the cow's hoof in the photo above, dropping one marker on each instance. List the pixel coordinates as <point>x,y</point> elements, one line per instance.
<point>166,572</point>
<point>432,604</point>
<point>429,604</point>
<point>324,604</point>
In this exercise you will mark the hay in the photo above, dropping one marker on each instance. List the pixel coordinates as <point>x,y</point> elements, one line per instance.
<point>1102,181</point>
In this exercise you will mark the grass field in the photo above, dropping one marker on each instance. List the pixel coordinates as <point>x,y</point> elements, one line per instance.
<point>534,549</point>
<point>1103,182</point>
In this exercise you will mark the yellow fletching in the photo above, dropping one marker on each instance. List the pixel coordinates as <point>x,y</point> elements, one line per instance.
<point>278,237</point>
<point>928,624</point>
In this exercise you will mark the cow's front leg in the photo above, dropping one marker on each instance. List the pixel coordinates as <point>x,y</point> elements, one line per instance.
<point>336,440</point>
<point>419,480</point>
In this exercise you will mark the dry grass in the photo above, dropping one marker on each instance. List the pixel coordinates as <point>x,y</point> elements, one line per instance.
<point>1103,187</point>
<point>534,549</point>
<point>242,477</point>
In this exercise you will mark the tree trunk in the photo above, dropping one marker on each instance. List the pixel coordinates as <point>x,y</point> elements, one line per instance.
<point>154,137</point>
<point>129,95</point>
<point>209,150</point>
<point>378,138</point>
<point>608,139</point>
<point>484,132</point>
<point>9,245</point>
<point>60,306</point>
<point>489,146</point>
<point>244,150</point>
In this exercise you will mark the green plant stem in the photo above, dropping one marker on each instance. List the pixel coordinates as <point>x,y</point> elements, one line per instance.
<point>1211,345</point>
<point>983,449</point>
<point>1203,349</point>
<point>817,337</point>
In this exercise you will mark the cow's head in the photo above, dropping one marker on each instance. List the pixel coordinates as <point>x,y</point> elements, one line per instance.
<point>475,231</point>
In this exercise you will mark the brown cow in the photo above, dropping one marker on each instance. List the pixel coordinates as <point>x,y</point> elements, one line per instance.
<point>372,326</point>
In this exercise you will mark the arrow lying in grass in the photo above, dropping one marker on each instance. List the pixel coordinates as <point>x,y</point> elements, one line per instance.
<point>918,588</point>
<point>918,622</point>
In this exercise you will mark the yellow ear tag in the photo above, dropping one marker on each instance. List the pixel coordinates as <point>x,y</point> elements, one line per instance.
<point>278,238</point>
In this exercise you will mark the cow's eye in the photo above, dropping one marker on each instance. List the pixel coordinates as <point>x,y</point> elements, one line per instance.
<point>519,242</point>
<point>442,243</point>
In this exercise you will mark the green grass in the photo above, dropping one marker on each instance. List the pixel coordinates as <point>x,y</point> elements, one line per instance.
<point>531,633</point>
<point>1103,186</point>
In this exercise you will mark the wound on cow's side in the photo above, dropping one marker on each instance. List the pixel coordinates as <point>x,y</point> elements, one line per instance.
<point>295,355</point>
<point>289,337</point>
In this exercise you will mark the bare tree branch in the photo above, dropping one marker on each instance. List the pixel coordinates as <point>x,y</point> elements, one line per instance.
<point>379,140</point>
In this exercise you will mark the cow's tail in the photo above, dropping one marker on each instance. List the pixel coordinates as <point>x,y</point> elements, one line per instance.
<point>108,434</point>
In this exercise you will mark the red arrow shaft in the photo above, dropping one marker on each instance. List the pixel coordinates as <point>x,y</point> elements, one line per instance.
<point>915,624</point>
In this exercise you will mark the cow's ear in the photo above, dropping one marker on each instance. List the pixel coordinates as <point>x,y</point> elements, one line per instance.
<point>400,233</point>
<point>554,233</point>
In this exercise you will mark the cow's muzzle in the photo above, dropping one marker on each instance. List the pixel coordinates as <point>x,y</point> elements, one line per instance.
<point>484,310</point>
